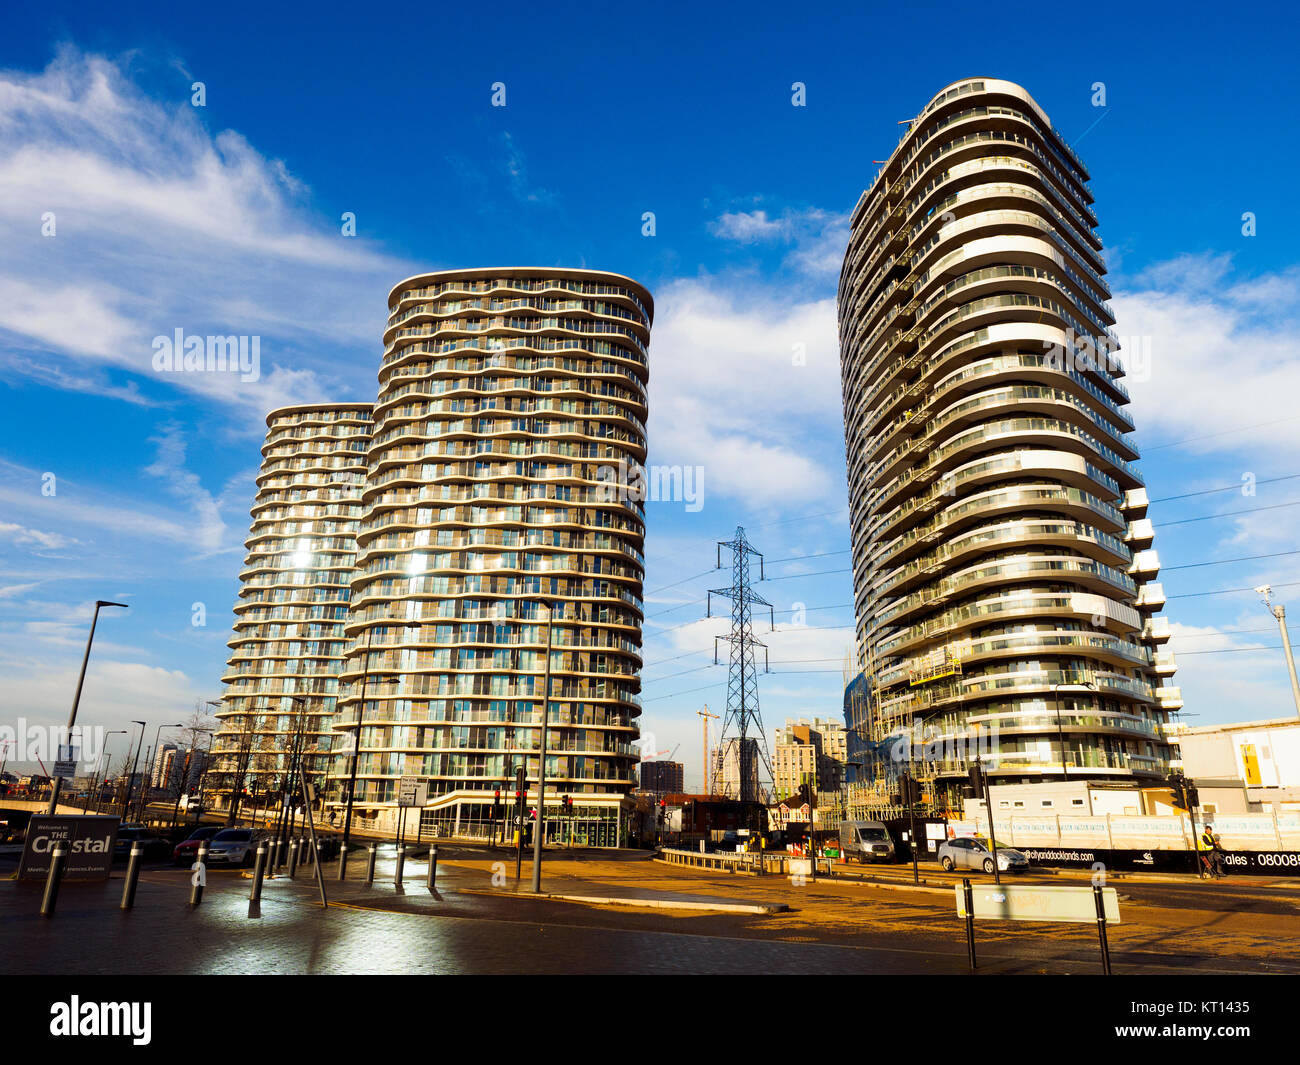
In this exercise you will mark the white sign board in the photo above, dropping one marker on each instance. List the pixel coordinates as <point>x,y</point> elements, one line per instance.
<point>411,791</point>
<point>1015,902</point>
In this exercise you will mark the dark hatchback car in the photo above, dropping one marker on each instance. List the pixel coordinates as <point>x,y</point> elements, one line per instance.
<point>153,846</point>
<point>187,850</point>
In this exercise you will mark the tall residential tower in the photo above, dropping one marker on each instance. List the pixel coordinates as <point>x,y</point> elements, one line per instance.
<point>1003,576</point>
<point>406,557</point>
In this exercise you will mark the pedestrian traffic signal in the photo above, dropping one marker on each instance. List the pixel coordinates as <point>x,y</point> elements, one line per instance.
<point>976,782</point>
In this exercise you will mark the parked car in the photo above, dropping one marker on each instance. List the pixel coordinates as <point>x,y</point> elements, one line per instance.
<point>867,841</point>
<point>966,853</point>
<point>234,846</point>
<point>188,849</point>
<point>153,846</point>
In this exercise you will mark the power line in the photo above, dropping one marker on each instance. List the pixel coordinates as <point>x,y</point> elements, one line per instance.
<point>1226,561</point>
<point>818,573</point>
<point>1226,591</point>
<point>800,558</point>
<point>1231,513</point>
<point>1230,650</point>
<point>1225,488</point>
<point>1217,632</point>
<point>1226,432</point>
<point>656,591</point>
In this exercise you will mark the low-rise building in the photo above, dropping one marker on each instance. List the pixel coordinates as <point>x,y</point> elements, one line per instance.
<point>1250,763</point>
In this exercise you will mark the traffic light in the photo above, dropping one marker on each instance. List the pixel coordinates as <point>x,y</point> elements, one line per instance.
<point>1193,797</point>
<point>976,782</point>
<point>909,790</point>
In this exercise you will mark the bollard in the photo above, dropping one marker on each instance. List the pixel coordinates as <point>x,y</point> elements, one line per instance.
<point>259,868</point>
<point>969,897</point>
<point>200,874</point>
<point>343,861</point>
<point>275,855</point>
<point>1100,903</point>
<point>433,865</point>
<point>293,858</point>
<point>316,865</point>
<point>401,862</point>
<point>57,862</point>
<point>370,863</point>
<point>132,876</point>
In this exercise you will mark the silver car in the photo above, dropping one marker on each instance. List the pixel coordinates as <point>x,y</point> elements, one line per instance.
<point>235,846</point>
<point>968,853</point>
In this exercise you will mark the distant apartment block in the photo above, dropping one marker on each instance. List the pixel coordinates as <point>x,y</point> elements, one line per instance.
<point>662,777</point>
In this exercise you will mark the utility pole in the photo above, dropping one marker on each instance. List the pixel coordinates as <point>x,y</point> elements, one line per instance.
<point>1279,612</point>
<point>742,716</point>
<point>704,716</point>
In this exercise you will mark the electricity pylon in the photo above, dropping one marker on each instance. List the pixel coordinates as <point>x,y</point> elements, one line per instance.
<point>742,721</point>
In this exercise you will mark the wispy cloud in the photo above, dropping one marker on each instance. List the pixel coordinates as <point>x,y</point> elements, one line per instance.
<point>816,237</point>
<point>129,219</point>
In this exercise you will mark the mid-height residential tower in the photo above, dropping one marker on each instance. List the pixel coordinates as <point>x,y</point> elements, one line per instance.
<point>409,556</point>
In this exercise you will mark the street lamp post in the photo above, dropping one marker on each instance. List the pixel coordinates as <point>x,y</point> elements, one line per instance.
<point>1060,734</point>
<point>130,777</point>
<point>76,699</point>
<point>1279,612</point>
<point>102,776</point>
<point>541,758</point>
<point>156,734</point>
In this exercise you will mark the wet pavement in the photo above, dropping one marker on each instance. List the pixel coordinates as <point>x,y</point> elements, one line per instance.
<point>479,920</point>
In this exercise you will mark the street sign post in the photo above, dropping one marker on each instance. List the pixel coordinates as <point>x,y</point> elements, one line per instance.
<point>1067,904</point>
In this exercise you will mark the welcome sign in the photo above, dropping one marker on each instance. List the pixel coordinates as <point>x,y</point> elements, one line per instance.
<point>89,839</point>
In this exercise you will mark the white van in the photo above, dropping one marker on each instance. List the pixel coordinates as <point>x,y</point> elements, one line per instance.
<point>867,841</point>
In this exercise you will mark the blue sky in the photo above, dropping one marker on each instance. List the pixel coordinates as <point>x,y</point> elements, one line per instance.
<point>226,219</point>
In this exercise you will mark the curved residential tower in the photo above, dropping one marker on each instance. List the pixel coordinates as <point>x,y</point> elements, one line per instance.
<point>512,404</point>
<point>1001,557</point>
<point>289,641</point>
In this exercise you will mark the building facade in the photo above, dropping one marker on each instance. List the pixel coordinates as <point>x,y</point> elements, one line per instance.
<point>726,767</point>
<point>662,777</point>
<point>287,650</point>
<point>480,507</point>
<point>1004,580</point>
<point>809,751</point>
<point>1242,767</point>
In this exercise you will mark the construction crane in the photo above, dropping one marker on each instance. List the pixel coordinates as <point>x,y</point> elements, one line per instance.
<point>705,715</point>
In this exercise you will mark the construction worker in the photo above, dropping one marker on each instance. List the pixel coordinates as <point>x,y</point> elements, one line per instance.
<point>1214,859</point>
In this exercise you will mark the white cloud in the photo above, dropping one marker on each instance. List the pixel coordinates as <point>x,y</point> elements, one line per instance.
<point>23,536</point>
<point>160,224</point>
<point>1224,356</point>
<point>730,362</point>
<point>1222,680</point>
